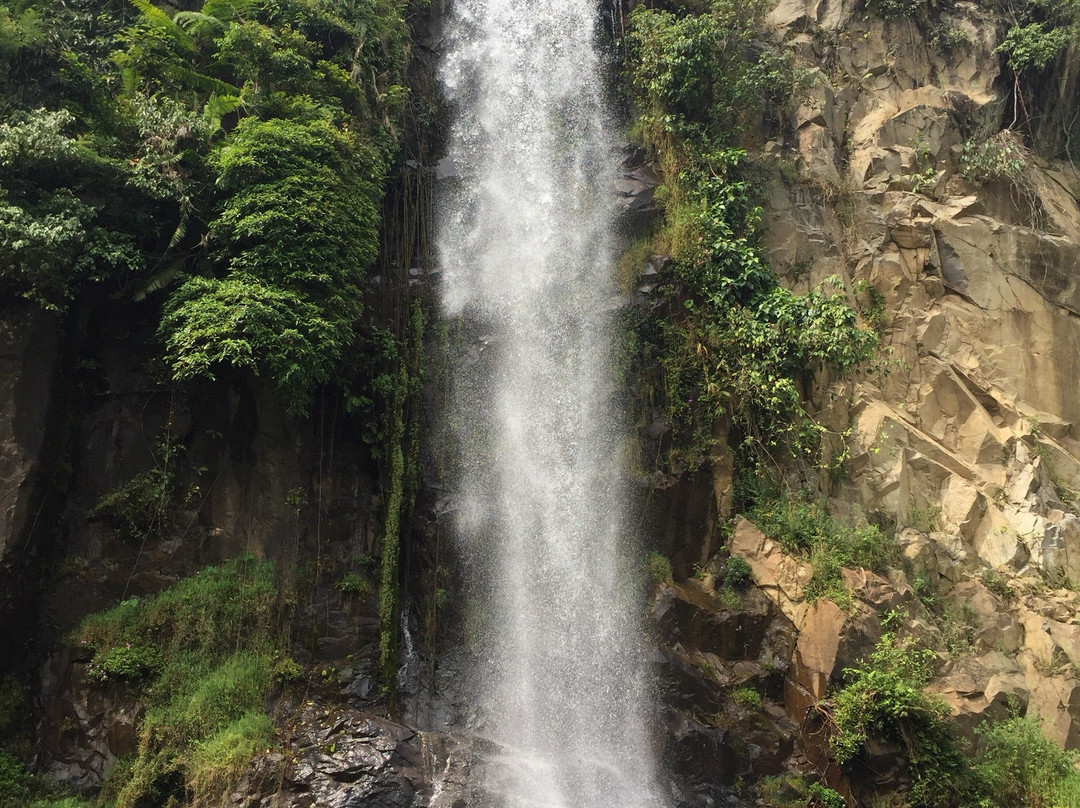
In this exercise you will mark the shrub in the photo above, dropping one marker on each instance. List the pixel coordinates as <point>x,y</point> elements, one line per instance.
<point>20,789</point>
<point>124,662</point>
<point>747,697</point>
<point>986,161</point>
<point>139,507</point>
<point>1033,46</point>
<point>737,572</point>
<point>14,783</point>
<point>883,698</point>
<point>356,584</point>
<point>824,797</point>
<point>12,701</point>
<point>1022,768</point>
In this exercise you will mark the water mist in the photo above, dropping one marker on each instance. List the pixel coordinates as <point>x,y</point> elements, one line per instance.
<point>526,249</point>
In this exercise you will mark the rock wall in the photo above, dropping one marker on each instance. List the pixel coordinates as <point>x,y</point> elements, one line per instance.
<point>968,440</point>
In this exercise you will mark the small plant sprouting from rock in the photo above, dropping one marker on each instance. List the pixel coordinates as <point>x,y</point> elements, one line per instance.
<point>1003,155</point>
<point>924,520</point>
<point>747,697</point>
<point>795,791</point>
<point>996,583</point>
<point>140,507</point>
<point>658,568</point>
<point>736,573</point>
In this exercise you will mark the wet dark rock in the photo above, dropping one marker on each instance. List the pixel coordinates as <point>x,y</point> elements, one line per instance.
<point>84,727</point>
<point>338,758</point>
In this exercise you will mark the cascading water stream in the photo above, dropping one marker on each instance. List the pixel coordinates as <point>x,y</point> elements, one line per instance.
<point>525,244</point>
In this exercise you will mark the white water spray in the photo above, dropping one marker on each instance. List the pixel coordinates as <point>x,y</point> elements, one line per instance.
<point>525,244</point>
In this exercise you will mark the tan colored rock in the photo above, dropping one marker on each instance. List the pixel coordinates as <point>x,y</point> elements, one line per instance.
<point>987,688</point>
<point>788,14</point>
<point>780,576</point>
<point>818,151</point>
<point>816,650</point>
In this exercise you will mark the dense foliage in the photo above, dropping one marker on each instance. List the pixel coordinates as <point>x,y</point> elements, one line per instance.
<point>233,156</point>
<point>882,699</point>
<point>742,346</point>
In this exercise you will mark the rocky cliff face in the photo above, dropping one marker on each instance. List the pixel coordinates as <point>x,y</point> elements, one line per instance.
<point>969,441</point>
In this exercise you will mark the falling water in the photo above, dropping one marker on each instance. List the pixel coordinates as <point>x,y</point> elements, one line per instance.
<point>525,243</point>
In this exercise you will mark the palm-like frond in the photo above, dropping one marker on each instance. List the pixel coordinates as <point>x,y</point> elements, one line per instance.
<point>197,23</point>
<point>217,107</point>
<point>158,281</point>
<point>162,21</point>
<point>227,10</point>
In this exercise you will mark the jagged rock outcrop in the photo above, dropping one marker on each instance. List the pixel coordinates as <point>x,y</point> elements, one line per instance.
<point>968,440</point>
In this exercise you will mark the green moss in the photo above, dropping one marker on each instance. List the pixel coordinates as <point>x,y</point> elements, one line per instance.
<point>388,583</point>
<point>658,568</point>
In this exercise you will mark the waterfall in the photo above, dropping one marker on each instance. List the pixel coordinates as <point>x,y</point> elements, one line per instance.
<point>526,250</point>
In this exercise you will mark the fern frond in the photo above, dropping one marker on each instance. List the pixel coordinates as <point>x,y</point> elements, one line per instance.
<point>228,10</point>
<point>158,281</point>
<point>182,225</point>
<point>159,19</point>
<point>201,81</point>
<point>197,20</point>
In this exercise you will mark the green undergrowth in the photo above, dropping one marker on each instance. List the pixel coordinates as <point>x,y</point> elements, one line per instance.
<point>202,656</point>
<point>1022,768</point>
<point>883,699</point>
<point>732,345</point>
<point>807,530</point>
<point>795,791</point>
<point>21,789</point>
